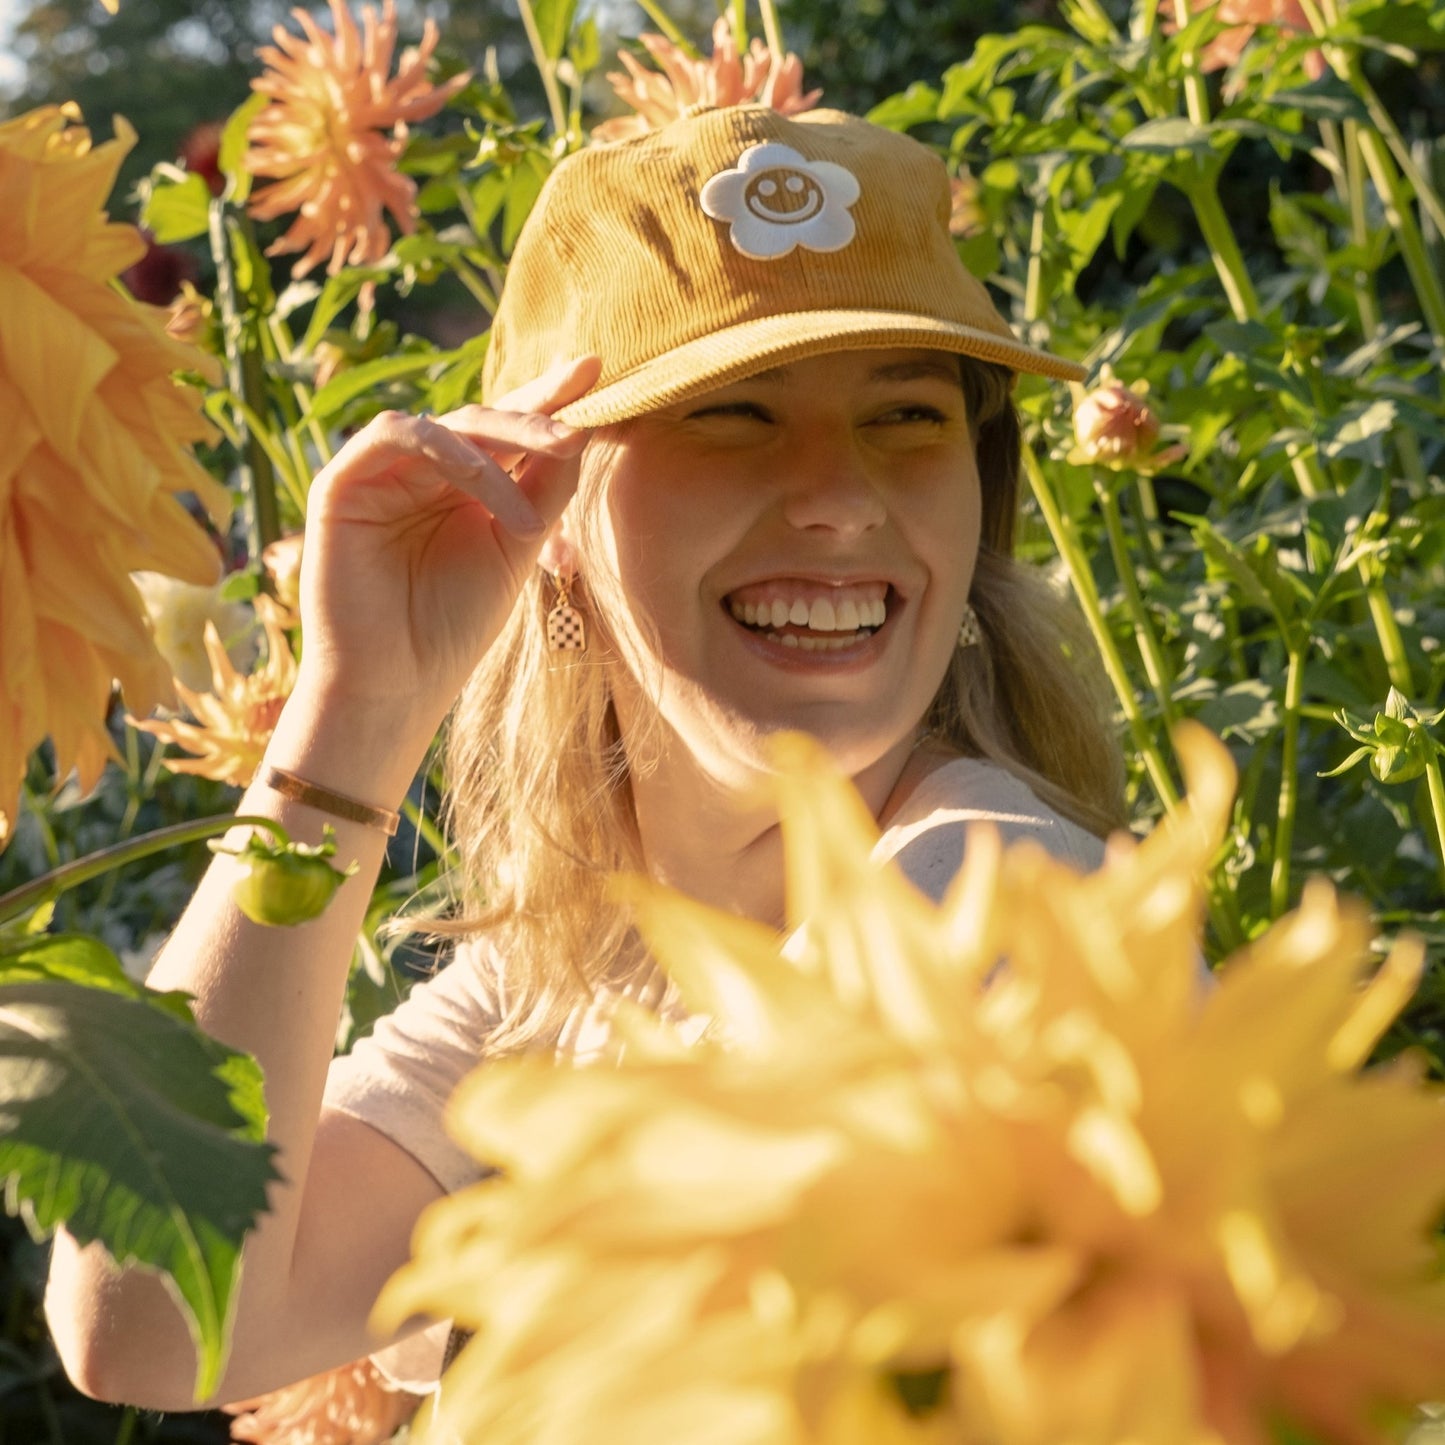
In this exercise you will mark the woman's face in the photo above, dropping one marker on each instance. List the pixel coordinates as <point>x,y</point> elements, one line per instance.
<point>795,551</point>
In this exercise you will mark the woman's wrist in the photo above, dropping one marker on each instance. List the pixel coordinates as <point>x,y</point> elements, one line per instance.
<point>367,750</point>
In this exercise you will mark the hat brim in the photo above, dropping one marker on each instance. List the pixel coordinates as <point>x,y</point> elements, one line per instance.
<point>751,346</point>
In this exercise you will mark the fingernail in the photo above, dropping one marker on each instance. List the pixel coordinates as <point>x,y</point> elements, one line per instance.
<point>561,430</point>
<point>528,525</point>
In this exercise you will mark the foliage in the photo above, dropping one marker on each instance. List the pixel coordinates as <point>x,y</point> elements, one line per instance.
<point>1255,252</point>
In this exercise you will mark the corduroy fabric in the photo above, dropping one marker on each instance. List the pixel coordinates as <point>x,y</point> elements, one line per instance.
<point>620,260</point>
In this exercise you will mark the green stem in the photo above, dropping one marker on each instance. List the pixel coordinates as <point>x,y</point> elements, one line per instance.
<point>1401,219</point>
<point>1224,250</point>
<point>738,15</point>
<point>1350,184</point>
<point>51,885</point>
<point>1196,93</point>
<point>127,1426</point>
<point>1346,63</point>
<point>435,838</point>
<point>1034,283</point>
<point>247,381</point>
<point>1066,541</point>
<point>1387,632</point>
<point>1288,783</point>
<point>285,345</point>
<point>1437,805</point>
<point>667,26</point>
<point>772,31</point>
<point>546,68</point>
<point>1147,640</point>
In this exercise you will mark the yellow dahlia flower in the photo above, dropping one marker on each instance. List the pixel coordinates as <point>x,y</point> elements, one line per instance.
<point>1000,1171</point>
<point>235,719</point>
<point>95,456</point>
<point>331,136</point>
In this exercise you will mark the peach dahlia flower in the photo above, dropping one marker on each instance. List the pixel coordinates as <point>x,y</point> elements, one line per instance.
<point>331,136</point>
<point>235,719</point>
<point>726,78</point>
<point>95,455</point>
<point>1244,17</point>
<point>353,1405</point>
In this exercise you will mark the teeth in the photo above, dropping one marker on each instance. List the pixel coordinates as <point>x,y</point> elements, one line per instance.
<point>823,616</point>
<point>814,644</point>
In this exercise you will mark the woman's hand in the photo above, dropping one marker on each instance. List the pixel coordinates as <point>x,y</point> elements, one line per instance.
<point>419,535</point>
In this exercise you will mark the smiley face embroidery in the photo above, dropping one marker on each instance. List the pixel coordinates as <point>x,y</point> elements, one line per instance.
<point>775,199</point>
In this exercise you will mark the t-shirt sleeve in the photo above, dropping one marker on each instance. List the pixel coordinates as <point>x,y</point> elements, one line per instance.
<point>928,836</point>
<point>399,1078</point>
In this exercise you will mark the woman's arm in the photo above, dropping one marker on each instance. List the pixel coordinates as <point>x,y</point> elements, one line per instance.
<point>417,540</point>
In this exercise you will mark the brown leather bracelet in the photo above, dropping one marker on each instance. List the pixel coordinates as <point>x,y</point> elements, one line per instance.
<point>325,801</point>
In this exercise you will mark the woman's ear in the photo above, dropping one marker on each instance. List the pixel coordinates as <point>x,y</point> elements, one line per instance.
<point>559,555</point>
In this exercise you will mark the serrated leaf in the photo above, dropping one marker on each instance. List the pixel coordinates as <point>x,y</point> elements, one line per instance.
<point>129,1126</point>
<point>177,210</point>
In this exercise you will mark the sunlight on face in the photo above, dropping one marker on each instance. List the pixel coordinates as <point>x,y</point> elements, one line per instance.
<point>793,551</point>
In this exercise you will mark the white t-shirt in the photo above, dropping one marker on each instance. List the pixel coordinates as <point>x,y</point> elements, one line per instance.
<point>399,1079</point>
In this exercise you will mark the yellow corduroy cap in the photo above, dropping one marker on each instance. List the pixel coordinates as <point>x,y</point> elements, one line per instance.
<point>733,240</point>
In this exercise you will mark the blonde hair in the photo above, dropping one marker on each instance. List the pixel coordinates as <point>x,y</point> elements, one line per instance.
<point>539,785</point>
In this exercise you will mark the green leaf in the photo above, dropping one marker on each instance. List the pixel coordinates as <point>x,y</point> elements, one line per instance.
<point>585,49</point>
<point>554,24</point>
<point>350,384</point>
<point>129,1126</point>
<point>915,106</point>
<point>1170,135</point>
<point>233,148</point>
<point>178,210</point>
<point>524,186</point>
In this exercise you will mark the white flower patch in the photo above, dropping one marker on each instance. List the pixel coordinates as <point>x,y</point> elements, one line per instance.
<point>777,199</point>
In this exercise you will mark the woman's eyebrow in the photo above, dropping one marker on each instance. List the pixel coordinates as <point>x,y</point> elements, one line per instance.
<point>943,368</point>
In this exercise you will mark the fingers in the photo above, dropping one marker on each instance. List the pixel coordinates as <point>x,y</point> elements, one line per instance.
<point>422,449</point>
<point>554,388</point>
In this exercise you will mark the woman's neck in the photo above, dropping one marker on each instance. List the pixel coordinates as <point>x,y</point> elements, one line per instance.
<point>703,838</point>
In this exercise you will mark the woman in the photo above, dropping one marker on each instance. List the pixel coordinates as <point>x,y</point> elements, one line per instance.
<point>750,464</point>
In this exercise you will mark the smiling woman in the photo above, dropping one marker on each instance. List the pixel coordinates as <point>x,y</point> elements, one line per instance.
<point>747,463</point>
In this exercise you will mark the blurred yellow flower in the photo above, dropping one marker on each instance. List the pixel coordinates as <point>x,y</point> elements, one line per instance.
<point>332,133</point>
<point>95,455</point>
<point>726,78</point>
<point>235,719</point>
<point>353,1405</point>
<point>905,1191</point>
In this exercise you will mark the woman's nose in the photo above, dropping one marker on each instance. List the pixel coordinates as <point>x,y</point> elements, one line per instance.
<point>832,489</point>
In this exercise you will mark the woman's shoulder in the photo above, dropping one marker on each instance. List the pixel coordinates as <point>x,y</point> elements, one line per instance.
<point>927,833</point>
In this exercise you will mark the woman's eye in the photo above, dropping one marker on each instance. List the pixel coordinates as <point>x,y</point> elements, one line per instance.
<point>921,415</point>
<point>745,410</point>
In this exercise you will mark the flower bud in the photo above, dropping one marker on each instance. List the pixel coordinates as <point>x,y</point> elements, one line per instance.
<point>282,884</point>
<point>1115,427</point>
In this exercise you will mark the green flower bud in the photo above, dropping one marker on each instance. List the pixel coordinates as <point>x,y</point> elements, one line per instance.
<point>282,884</point>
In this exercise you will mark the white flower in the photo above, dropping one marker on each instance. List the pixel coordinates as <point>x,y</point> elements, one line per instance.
<point>777,199</point>
<point>179,612</point>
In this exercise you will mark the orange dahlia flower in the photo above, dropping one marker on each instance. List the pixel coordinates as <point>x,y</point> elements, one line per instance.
<point>95,454</point>
<point>1244,17</point>
<point>331,136</point>
<point>353,1405</point>
<point>726,78</point>
<point>235,720</point>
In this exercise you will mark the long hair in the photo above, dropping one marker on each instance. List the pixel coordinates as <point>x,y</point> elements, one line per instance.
<point>539,784</point>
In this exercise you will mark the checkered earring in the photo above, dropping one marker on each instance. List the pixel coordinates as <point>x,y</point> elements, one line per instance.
<point>970,633</point>
<point>565,629</point>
